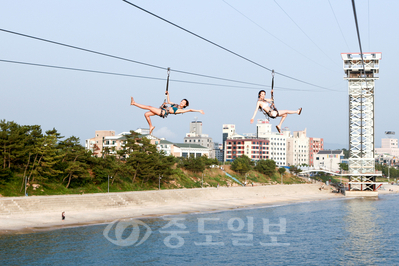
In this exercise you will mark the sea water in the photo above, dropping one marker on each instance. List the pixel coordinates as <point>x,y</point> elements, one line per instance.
<point>360,231</point>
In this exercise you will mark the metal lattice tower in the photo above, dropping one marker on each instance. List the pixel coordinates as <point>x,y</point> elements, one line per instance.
<point>361,117</point>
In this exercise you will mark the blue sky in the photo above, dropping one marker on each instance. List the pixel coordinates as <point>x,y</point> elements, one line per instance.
<point>300,39</point>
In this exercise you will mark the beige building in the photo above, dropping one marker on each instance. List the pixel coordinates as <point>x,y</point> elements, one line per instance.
<point>195,136</point>
<point>298,149</point>
<point>106,139</point>
<point>96,144</point>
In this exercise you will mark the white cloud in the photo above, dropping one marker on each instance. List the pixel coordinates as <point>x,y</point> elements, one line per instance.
<point>164,132</point>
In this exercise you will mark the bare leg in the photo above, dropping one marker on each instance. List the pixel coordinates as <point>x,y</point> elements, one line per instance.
<point>283,114</point>
<point>154,110</point>
<point>147,117</point>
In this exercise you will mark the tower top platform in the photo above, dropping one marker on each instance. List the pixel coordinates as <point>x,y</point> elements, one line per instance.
<point>357,56</point>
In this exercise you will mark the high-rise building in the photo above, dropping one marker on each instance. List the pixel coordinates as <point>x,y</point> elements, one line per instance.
<point>196,127</point>
<point>298,148</point>
<point>195,136</point>
<point>315,145</point>
<point>228,131</point>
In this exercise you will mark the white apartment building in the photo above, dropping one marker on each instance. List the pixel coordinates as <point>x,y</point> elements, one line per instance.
<point>277,141</point>
<point>298,149</point>
<point>388,146</point>
<point>265,145</point>
<point>182,149</point>
<point>187,150</point>
<point>285,149</point>
<point>329,160</point>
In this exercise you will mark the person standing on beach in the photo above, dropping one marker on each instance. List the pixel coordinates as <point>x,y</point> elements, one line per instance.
<point>63,215</point>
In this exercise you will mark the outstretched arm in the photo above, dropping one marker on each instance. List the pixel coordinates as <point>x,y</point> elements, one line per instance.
<point>167,97</point>
<point>256,110</point>
<point>181,111</point>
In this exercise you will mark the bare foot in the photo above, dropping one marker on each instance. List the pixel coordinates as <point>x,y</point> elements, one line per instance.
<point>151,129</point>
<point>132,102</point>
<point>202,112</point>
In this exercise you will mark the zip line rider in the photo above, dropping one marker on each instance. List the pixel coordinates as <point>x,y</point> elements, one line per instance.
<point>267,107</point>
<point>164,110</point>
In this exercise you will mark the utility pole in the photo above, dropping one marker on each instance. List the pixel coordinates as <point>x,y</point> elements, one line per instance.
<point>26,178</point>
<point>108,183</point>
<point>202,185</point>
<point>159,183</point>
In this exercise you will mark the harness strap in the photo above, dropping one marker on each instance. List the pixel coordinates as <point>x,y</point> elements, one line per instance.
<point>272,106</point>
<point>167,89</point>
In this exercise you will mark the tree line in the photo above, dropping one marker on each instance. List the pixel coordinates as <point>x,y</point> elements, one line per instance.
<point>243,164</point>
<point>28,153</point>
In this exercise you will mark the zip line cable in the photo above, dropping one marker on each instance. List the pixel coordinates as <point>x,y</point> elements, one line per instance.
<point>126,59</point>
<point>137,76</point>
<point>304,32</point>
<point>317,63</point>
<point>365,77</point>
<point>358,35</point>
<point>368,21</point>
<point>336,20</point>
<point>221,47</point>
<point>134,61</point>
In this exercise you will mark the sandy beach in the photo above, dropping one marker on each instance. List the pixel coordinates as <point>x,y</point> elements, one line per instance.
<point>88,209</point>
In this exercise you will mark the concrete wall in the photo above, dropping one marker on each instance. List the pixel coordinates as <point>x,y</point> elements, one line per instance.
<point>142,199</point>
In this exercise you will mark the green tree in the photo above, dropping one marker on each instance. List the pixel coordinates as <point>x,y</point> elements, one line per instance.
<point>45,159</point>
<point>267,167</point>
<point>193,164</point>
<point>241,164</point>
<point>144,158</point>
<point>74,160</point>
<point>295,170</point>
<point>343,166</point>
<point>346,153</point>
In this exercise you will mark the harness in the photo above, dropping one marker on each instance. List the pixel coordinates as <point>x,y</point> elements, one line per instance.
<point>273,112</point>
<point>165,110</point>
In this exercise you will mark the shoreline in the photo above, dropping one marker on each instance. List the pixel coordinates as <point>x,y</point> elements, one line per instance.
<point>277,195</point>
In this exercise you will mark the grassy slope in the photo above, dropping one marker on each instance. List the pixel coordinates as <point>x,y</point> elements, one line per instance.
<point>182,179</point>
